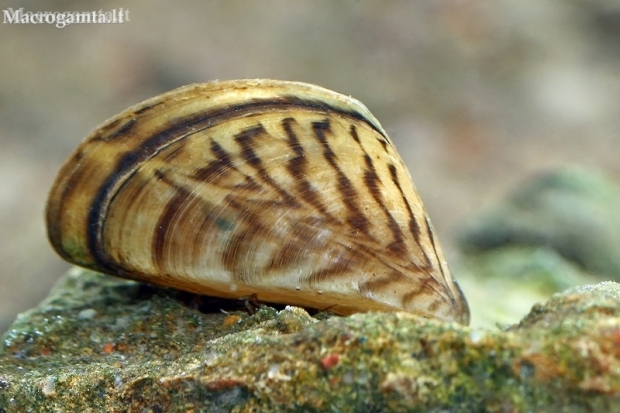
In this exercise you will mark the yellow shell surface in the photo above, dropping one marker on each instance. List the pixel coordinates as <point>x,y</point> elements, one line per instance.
<point>282,190</point>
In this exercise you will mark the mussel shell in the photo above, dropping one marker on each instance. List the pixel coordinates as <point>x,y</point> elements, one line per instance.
<point>282,190</point>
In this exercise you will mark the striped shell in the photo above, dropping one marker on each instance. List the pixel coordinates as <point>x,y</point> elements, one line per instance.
<point>282,190</point>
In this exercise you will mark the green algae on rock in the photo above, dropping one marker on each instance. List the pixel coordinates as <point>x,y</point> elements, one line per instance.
<point>102,344</point>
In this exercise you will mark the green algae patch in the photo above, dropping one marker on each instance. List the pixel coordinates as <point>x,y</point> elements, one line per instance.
<point>102,344</point>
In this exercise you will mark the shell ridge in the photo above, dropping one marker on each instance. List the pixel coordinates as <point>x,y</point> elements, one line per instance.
<point>297,168</point>
<point>447,281</point>
<point>246,141</point>
<point>373,185</point>
<point>414,227</point>
<point>322,106</point>
<point>172,212</point>
<point>349,196</point>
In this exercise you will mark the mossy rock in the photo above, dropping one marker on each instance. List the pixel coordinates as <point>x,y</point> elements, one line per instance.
<point>98,343</point>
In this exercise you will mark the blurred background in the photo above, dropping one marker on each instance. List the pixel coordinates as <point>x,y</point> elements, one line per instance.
<point>477,95</point>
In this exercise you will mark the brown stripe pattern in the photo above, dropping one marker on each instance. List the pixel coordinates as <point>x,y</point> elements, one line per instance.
<point>283,190</point>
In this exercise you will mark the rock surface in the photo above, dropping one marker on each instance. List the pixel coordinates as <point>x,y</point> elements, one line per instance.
<point>102,344</point>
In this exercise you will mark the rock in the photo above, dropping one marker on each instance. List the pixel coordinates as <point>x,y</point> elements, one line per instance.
<point>98,343</point>
<point>586,304</point>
